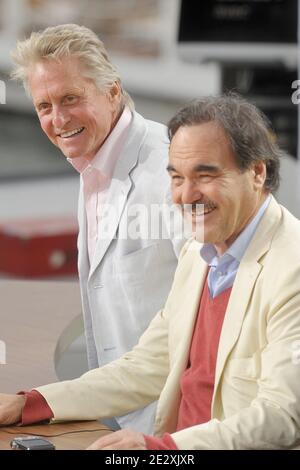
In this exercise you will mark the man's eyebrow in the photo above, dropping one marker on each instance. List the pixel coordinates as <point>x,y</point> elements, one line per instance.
<point>39,102</point>
<point>198,168</point>
<point>70,92</point>
<point>208,168</point>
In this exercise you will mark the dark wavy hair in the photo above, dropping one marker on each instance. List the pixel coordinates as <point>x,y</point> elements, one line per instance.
<point>248,129</point>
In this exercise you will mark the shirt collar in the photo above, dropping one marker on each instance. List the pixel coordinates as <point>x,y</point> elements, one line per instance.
<point>237,250</point>
<point>106,158</point>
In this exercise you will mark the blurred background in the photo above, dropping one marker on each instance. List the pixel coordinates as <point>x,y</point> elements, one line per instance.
<point>168,52</point>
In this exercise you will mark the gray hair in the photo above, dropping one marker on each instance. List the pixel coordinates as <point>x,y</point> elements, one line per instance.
<point>68,40</point>
<point>248,129</point>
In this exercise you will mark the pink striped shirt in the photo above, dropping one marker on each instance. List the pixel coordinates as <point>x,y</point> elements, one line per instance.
<point>97,175</point>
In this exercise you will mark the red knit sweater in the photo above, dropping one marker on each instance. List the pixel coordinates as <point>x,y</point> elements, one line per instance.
<point>197,381</point>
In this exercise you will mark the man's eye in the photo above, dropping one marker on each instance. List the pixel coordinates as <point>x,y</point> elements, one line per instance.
<point>43,106</point>
<point>70,99</point>
<point>176,180</point>
<point>206,178</point>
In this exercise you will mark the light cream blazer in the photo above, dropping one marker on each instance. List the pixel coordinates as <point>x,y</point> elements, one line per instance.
<point>256,399</point>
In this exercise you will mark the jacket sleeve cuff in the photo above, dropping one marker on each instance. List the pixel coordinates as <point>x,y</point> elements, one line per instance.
<point>36,408</point>
<point>160,443</point>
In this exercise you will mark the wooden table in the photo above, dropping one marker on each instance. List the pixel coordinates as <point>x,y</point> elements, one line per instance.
<point>66,436</point>
<point>38,321</point>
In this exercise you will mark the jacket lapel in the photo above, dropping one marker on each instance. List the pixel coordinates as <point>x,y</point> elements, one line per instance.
<point>119,189</point>
<point>181,334</point>
<point>83,257</point>
<point>187,308</point>
<point>242,290</point>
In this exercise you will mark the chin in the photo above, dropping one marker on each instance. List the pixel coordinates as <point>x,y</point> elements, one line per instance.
<point>69,154</point>
<point>199,237</point>
<point>198,233</point>
<point>208,238</point>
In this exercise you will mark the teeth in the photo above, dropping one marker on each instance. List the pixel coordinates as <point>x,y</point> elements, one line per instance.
<point>70,133</point>
<point>205,211</point>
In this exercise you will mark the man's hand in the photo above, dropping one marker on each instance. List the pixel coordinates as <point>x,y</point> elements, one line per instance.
<point>120,440</point>
<point>11,407</point>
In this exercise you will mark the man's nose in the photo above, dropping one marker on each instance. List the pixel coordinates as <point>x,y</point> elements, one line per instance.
<point>60,118</point>
<point>191,192</point>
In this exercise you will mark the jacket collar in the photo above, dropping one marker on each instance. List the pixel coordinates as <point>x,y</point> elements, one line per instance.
<point>120,187</point>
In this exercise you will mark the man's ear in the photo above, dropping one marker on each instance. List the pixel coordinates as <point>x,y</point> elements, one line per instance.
<point>259,173</point>
<point>114,93</point>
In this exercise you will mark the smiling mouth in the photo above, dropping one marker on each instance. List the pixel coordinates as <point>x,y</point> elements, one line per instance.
<point>67,135</point>
<point>206,211</point>
<point>200,210</point>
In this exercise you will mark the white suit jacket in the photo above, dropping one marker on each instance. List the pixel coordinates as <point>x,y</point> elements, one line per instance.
<point>129,279</point>
<point>256,398</point>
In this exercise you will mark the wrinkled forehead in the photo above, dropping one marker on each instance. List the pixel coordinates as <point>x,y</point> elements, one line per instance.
<point>53,78</point>
<point>205,143</point>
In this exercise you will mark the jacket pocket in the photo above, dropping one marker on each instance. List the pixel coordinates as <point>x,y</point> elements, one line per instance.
<point>239,384</point>
<point>247,368</point>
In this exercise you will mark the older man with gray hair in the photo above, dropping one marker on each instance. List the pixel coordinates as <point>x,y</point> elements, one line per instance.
<point>85,111</point>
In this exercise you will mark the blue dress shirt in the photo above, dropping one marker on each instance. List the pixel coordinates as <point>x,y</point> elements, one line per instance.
<point>223,268</point>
